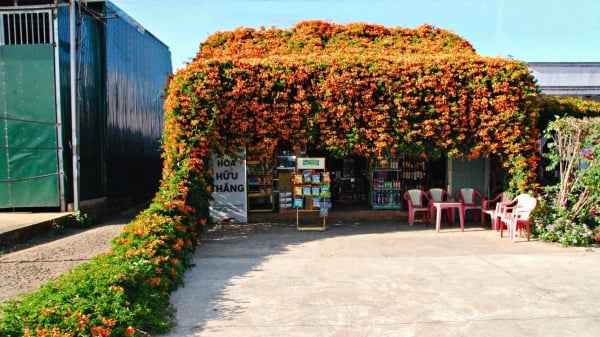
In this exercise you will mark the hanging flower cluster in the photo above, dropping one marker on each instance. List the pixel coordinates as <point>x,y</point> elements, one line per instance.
<point>318,37</point>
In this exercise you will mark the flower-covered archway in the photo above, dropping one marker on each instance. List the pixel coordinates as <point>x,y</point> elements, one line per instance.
<point>349,89</point>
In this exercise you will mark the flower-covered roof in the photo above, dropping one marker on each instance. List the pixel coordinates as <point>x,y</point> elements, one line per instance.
<point>358,89</point>
<point>318,38</point>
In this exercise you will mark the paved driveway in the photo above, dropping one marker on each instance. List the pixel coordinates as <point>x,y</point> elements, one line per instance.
<point>386,279</point>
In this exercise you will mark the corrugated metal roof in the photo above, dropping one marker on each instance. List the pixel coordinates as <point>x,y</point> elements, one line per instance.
<point>568,78</point>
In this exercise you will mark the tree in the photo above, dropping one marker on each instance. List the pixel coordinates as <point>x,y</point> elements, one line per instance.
<point>569,213</point>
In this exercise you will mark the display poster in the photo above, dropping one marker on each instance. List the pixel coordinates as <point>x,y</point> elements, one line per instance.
<point>229,189</point>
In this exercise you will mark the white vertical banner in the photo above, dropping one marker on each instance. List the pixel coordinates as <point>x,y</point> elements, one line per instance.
<point>229,202</point>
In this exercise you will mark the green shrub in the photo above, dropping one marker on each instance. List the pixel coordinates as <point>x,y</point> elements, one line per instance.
<point>568,211</point>
<point>123,292</point>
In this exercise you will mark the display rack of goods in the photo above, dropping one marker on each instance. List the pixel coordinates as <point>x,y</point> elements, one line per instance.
<point>260,187</point>
<point>311,191</point>
<point>387,185</point>
<point>414,172</point>
<point>286,165</point>
<point>390,178</point>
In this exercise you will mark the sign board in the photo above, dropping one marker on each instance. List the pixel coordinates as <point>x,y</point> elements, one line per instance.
<point>310,163</point>
<point>229,189</point>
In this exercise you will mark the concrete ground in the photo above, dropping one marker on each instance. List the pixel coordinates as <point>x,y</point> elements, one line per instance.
<point>10,221</point>
<point>20,226</point>
<point>385,278</point>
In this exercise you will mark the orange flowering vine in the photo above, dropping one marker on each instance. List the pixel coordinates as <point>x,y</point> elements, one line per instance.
<point>349,89</point>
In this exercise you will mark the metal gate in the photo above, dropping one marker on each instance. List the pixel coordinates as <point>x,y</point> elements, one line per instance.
<point>30,146</point>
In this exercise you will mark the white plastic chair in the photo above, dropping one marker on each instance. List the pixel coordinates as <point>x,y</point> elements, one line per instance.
<point>515,215</point>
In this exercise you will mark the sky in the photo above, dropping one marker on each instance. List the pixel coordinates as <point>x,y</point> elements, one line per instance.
<point>527,30</point>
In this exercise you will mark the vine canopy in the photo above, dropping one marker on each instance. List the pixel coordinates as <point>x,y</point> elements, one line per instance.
<point>359,89</point>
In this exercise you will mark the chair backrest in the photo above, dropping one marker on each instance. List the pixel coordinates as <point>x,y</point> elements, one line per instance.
<point>437,194</point>
<point>502,206</point>
<point>415,197</point>
<point>524,207</point>
<point>525,202</point>
<point>522,204</point>
<point>499,199</point>
<point>468,195</point>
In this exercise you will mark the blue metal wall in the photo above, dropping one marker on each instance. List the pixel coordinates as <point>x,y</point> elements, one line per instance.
<point>122,72</point>
<point>90,100</point>
<point>137,66</point>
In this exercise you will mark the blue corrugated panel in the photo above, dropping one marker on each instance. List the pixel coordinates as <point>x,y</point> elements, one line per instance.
<point>137,66</point>
<point>122,74</point>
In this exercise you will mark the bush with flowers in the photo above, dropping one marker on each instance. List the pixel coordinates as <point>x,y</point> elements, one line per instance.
<point>568,212</point>
<point>555,223</point>
<point>124,292</point>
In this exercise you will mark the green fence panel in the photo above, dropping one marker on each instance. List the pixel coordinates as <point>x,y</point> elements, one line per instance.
<point>4,187</point>
<point>29,165</point>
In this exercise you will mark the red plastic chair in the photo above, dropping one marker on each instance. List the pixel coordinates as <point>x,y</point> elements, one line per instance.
<point>437,195</point>
<point>491,207</point>
<point>470,199</point>
<point>418,201</point>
